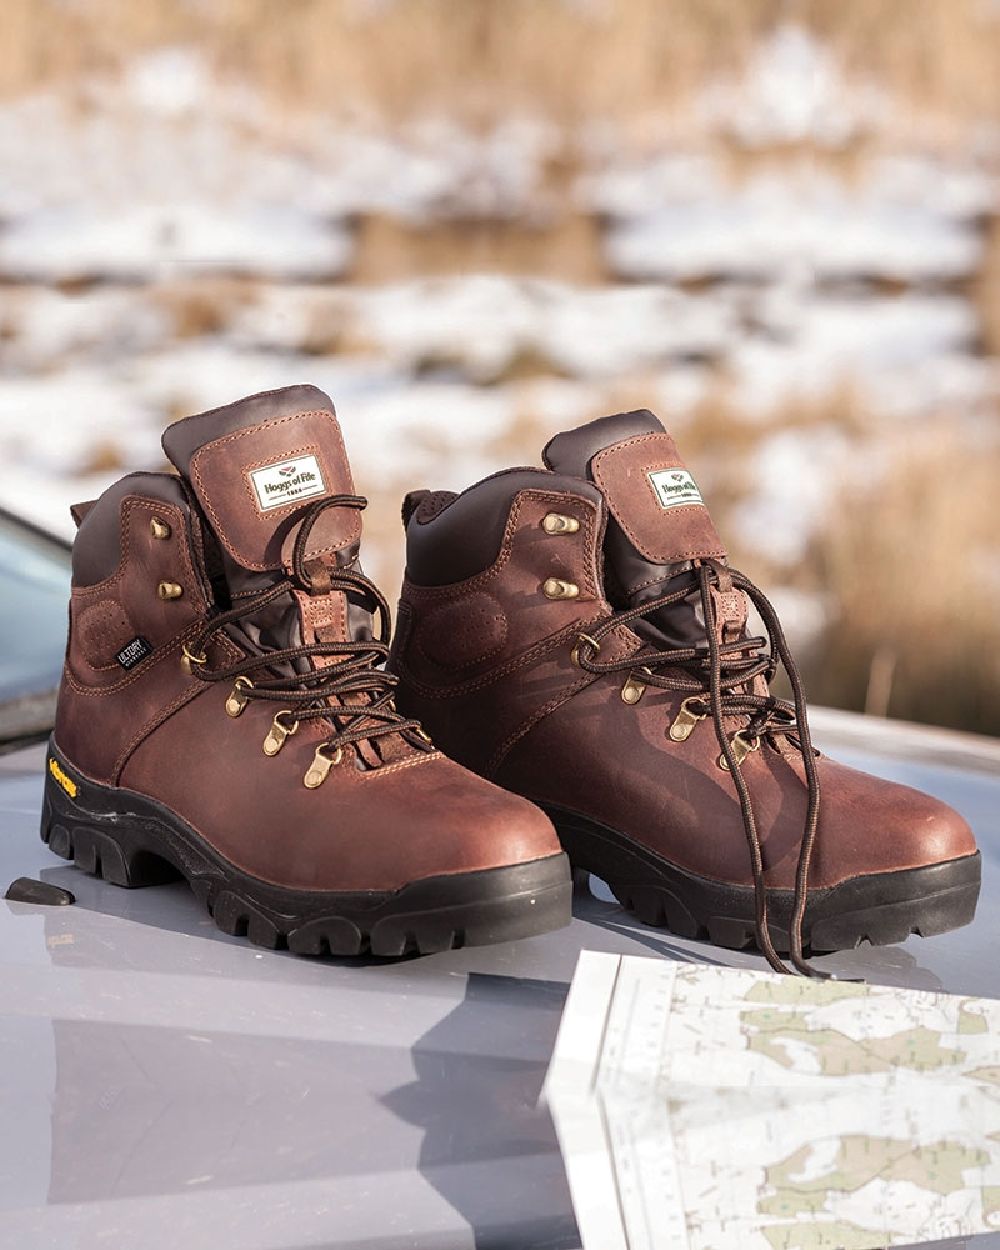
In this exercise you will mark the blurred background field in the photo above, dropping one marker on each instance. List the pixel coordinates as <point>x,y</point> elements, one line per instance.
<point>477,221</point>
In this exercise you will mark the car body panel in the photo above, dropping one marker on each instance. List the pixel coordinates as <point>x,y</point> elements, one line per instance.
<point>167,1085</point>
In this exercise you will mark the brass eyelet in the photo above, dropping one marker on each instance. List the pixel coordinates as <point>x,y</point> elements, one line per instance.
<point>319,769</point>
<point>189,657</point>
<point>742,746</point>
<point>158,528</point>
<point>556,588</point>
<point>634,687</point>
<point>169,590</point>
<point>683,724</point>
<point>279,732</point>
<point>422,733</point>
<point>574,655</point>
<point>238,699</point>
<point>558,523</point>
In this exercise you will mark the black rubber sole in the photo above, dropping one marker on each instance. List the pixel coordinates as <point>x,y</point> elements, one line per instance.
<point>132,841</point>
<point>880,909</point>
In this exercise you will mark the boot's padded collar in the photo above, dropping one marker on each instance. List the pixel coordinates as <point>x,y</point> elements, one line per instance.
<point>182,439</point>
<point>221,451</point>
<point>464,537</point>
<point>79,510</point>
<point>572,450</point>
<point>97,551</point>
<point>662,532</point>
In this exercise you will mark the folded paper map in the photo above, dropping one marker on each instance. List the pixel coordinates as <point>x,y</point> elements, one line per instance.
<point>706,1108</point>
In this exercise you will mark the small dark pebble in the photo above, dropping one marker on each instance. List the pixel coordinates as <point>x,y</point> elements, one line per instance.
<point>27,890</point>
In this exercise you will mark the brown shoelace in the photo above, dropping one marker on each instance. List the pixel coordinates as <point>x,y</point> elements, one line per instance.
<point>321,693</point>
<point>719,679</point>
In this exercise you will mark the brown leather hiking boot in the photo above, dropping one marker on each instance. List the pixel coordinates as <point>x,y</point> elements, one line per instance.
<point>552,637</point>
<point>223,714</point>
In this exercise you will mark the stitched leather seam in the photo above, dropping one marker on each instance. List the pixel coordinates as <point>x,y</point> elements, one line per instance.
<point>411,762</point>
<point>459,589</point>
<point>643,548</point>
<point>497,758</point>
<point>631,642</point>
<point>316,614</point>
<point>159,656</point>
<point>188,576</point>
<point>524,660</point>
<point>232,653</point>
<point>279,513</point>
<point>128,505</point>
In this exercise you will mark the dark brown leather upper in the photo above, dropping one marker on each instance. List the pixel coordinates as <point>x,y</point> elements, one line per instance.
<point>161,731</point>
<point>509,702</point>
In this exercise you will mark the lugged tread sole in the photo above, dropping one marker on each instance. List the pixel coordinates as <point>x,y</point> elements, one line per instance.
<point>881,909</point>
<point>131,841</point>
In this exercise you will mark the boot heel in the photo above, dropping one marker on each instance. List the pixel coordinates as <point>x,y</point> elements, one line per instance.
<point>99,843</point>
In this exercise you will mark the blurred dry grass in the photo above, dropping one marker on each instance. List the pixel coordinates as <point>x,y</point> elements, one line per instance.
<point>469,59</point>
<point>913,567</point>
<point>569,60</point>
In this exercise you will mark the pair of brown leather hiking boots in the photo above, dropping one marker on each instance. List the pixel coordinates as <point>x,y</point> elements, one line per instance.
<point>573,680</point>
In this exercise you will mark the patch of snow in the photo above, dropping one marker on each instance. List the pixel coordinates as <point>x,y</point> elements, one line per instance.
<point>171,240</point>
<point>903,355</point>
<point>169,81</point>
<point>801,224</point>
<point>793,474</point>
<point>44,328</point>
<point>792,91</point>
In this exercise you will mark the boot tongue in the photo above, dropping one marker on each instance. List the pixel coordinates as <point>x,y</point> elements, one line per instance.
<point>658,523</point>
<point>257,464</point>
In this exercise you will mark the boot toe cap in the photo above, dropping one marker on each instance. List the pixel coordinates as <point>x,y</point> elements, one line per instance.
<point>928,831</point>
<point>875,826</point>
<point>461,823</point>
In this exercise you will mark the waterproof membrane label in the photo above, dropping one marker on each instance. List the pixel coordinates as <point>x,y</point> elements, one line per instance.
<point>287,482</point>
<point>133,653</point>
<point>674,487</point>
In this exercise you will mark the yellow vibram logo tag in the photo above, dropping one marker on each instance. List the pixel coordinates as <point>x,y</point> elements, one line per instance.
<point>67,782</point>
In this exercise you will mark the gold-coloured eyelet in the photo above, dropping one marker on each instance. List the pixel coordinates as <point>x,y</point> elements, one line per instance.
<point>239,698</point>
<point>558,523</point>
<point>189,657</point>
<point>634,687</point>
<point>158,528</point>
<point>279,732</point>
<point>556,588</point>
<point>574,655</point>
<point>320,767</point>
<point>422,733</point>
<point>169,590</point>
<point>683,724</point>
<point>742,746</point>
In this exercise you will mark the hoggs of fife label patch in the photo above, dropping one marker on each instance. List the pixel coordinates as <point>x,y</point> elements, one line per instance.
<point>63,778</point>
<point>674,487</point>
<point>288,481</point>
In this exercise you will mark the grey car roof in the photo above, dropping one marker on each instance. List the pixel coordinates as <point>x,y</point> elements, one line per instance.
<point>165,1085</point>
